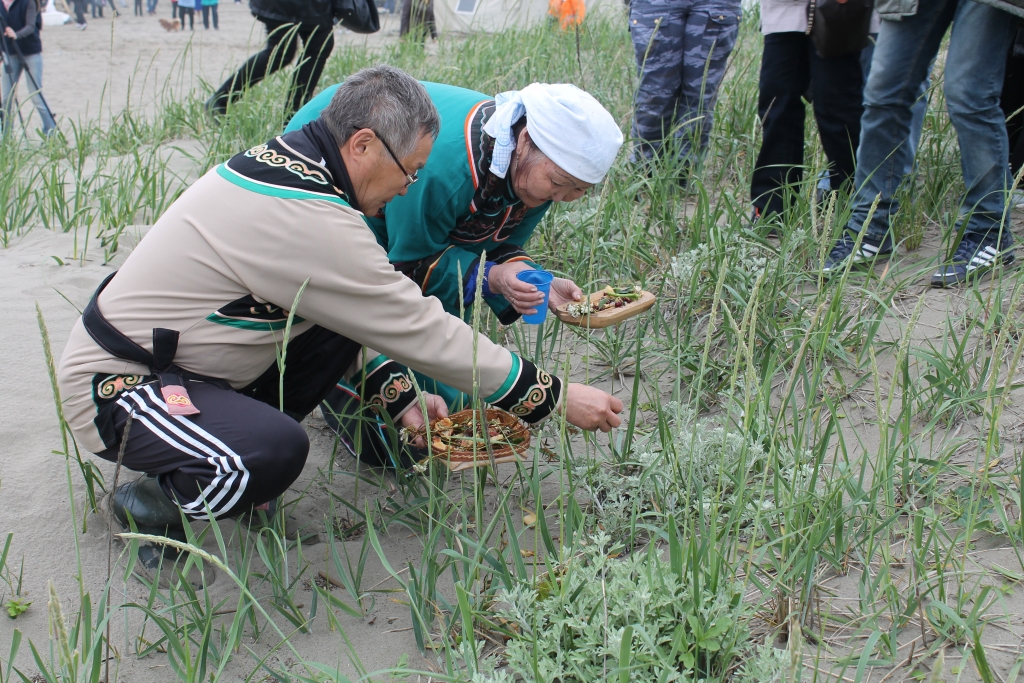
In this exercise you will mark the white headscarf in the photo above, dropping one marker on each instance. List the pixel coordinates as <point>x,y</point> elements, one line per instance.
<point>567,124</point>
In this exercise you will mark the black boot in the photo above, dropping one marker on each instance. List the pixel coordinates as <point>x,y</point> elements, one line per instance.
<point>155,514</point>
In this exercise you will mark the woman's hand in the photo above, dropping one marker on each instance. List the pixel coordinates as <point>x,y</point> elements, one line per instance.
<point>524,297</point>
<point>591,409</point>
<point>9,32</point>
<point>413,417</point>
<point>563,291</point>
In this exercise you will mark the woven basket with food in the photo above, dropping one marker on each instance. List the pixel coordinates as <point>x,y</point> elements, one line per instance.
<point>452,438</point>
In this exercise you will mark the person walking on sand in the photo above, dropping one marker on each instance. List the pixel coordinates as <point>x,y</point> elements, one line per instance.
<point>210,8</point>
<point>287,22</point>
<point>21,50</point>
<point>172,370</point>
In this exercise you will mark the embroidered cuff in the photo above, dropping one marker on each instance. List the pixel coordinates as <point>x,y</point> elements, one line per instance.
<point>386,385</point>
<point>529,393</point>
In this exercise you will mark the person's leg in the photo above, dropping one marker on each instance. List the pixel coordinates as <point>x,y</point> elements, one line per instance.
<point>780,107</point>
<point>975,67</point>
<point>710,35</point>
<point>235,454</point>
<point>277,52</point>
<point>837,85</point>
<point>317,44</point>
<point>206,17</point>
<point>900,65</point>
<point>216,21</point>
<point>10,71</point>
<point>657,28</point>
<point>34,67</point>
<point>79,6</point>
<point>1012,103</point>
<point>174,9</point>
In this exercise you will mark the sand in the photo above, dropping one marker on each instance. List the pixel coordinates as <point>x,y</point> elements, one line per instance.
<point>89,73</point>
<point>131,58</point>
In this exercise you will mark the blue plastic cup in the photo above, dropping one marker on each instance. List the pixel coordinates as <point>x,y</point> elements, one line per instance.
<point>541,279</point>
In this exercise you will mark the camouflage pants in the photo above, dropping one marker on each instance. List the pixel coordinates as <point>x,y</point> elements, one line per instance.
<point>681,51</point>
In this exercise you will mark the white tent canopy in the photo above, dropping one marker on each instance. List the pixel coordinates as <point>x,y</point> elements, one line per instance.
<point>464,16</point>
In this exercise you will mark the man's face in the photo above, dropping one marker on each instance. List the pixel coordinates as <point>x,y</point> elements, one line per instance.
<point>387,179</point>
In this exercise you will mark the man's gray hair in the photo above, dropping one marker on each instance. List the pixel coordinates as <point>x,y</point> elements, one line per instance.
<point>388,101</point>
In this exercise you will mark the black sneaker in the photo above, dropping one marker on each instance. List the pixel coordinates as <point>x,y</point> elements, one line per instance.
<point>973,258</point>
<point>843,251</point>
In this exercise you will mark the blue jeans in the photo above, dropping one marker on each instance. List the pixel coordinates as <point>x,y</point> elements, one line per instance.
<point>980,38</point>
<point>33,64</point>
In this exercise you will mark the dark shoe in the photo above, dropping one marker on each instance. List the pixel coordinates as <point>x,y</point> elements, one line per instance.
<point>973,258</point>
<point>155,514</point>
<point>844,250</point>
<point>767,227</point>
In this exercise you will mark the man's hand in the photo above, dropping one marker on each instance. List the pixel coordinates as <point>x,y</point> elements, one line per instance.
<point>9,32</point>
<point>563,291</point>
<point>413,418</point>
<point>591,409</point>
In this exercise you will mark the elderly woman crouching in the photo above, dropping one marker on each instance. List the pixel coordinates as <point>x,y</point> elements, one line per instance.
<point>496,167</point>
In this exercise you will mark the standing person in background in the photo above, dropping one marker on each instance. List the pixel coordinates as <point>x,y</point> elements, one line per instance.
<point>80,7</point>
<point>137,10</point>
<point>210,7</point>
<point>681,50</point>
<point>1012,103</point>
<point>287,21</point>
<point>151,7</point>
<point>418,17</point>
<point>908,41</point>
<point>790,68</point>
<point>22,50</point>
<point>187,8</point>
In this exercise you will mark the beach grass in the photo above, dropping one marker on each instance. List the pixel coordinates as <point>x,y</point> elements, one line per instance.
<point>810,476</point>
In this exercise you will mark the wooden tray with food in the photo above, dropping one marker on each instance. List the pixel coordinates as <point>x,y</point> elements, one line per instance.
<point>608,307</point>
<point>453,442</point>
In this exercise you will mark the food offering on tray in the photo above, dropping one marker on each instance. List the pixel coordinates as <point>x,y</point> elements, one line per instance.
<point>452,438</point>
<point>610,306</point>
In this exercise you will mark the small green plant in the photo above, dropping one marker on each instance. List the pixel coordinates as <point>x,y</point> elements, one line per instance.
<point>639,618</point>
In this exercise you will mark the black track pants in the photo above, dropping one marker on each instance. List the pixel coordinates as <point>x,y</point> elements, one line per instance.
<point>240,450</point>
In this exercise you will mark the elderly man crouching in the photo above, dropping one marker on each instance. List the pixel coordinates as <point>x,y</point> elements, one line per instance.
<point>180,350</point>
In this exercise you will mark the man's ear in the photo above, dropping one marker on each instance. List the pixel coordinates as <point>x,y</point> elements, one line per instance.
<point>358,145</point>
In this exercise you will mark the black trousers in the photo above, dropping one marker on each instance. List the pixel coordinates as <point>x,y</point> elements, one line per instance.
<point>282,44</point>
<point>1012,102</point>
<point>789,68</point>
<point>79,6</point>
<point>207,11</point>
<point>240,450</point>
<point>191,13</point>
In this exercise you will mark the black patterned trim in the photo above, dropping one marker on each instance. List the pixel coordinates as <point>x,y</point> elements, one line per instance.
<point>533,395</point>
<point>386,385</point>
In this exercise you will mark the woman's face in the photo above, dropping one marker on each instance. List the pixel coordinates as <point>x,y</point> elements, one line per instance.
<point>536,179</point>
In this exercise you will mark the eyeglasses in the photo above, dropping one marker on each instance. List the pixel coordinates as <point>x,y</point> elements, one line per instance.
<point>411,177</point>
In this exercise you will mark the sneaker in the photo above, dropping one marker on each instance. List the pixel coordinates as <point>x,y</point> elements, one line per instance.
<point>973,258</point>
<point>843,251</point>
<point>82,26</point>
